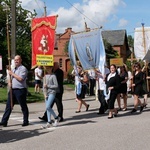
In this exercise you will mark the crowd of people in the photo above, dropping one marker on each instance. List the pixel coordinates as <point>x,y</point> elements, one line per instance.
<point>114,84</point>
<point>52,80</point>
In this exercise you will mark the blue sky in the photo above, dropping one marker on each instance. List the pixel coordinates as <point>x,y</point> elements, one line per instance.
<point>111,14</point>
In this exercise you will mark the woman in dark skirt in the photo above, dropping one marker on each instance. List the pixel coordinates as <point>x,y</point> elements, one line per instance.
<point>137,87</point>
<point>112,85</point>
<point>123,88</point>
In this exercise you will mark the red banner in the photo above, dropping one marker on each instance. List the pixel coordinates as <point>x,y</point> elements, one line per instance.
<point>43,33</point>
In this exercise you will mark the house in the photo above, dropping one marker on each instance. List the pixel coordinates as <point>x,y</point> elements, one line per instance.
<point>60,54</point>
<point>117,38</point>
<point>119,41</point>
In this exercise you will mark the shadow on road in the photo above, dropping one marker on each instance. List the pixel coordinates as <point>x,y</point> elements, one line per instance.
<point>9,136</point>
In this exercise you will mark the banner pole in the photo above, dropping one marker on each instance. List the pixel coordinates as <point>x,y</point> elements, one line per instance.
<point>9,57</point>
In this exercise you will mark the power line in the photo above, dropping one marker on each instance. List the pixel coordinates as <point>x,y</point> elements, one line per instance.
<point>82,13</point>
<point>39,7</point>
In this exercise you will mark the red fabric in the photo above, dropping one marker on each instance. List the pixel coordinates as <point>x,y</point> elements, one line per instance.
<point>43,33</point>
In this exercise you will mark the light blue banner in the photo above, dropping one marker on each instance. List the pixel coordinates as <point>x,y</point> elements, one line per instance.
<point>72,52</point>
<point>90,49</point>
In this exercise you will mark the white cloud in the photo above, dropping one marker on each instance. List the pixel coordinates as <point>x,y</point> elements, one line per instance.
<point>32,5</point>
<point>96,13</point>
<point>123,22</point>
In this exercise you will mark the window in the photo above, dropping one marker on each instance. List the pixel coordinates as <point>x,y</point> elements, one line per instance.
<point>60,62</point>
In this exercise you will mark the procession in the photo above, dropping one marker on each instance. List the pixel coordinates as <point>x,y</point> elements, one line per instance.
<point>81,79</point>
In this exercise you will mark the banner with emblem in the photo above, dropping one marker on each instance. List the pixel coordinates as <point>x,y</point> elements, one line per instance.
<point>89,48</point>
<point>43,34</point>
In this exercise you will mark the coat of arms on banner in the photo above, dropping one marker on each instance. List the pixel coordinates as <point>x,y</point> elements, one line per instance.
<point>44,44</point>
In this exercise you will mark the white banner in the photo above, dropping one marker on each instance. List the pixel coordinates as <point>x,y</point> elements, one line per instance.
<point>139,38</point>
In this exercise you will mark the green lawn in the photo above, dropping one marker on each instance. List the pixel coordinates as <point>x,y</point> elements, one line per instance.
<point>30,99</point>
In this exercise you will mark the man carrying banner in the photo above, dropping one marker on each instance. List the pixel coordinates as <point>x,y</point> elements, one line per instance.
<point>101,90</point>
<point>19,92</point>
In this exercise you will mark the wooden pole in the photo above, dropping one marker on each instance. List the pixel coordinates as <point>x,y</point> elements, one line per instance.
<point>144,44</point>
<point>131,80</point>
<point>13,29</point>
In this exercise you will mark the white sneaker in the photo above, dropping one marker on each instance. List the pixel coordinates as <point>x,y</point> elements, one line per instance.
<point>48,125</point>
<point>55,124</point>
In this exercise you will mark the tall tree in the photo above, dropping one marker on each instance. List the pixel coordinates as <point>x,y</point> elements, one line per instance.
<point>23,32</point>
<point>3,38</point>
<point>110,52</point>
<point>130,41</point>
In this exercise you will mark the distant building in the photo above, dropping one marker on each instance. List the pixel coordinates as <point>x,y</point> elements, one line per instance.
<point>117,38</point>
<point>119,41</point>
<point>60,55</point>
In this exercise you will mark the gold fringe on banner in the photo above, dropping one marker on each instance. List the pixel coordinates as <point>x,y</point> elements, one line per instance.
<point>46,24</point>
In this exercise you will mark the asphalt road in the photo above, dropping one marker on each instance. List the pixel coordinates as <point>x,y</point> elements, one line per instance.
<point>82,131</point>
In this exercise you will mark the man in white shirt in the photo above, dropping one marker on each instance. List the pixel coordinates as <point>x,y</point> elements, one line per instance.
<point>101,88</point>
<point>38,77</point>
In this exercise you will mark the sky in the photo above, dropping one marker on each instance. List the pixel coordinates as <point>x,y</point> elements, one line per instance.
<point>110,14</point>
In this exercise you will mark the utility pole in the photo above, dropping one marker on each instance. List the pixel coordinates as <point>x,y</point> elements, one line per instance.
<point>13,28</point>
<point>45,12</point>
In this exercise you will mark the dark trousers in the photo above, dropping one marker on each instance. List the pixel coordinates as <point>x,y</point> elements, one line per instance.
<point>103,104</point>
<point>58,101</point>
<point>92,85</point>
<point>18,95</point>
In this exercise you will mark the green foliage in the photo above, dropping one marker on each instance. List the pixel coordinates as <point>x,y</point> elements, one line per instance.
<point>30,99</point>
<point>131,45</point>
<point>130,41</point>
<point>66,47</point>
<point>110,52</point>
<point>3,38</point>
<point>23,32</point>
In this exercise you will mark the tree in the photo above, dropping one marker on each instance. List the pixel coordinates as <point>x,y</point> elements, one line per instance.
<point>3,38</point>
<point>23,32</point>
<point>130,41</point>
<point>110,52</point>
<point>131,46</point>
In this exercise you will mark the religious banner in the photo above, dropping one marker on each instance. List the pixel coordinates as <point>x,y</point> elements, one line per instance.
<point>141,42</point>
<point>89,48</point>
<point>72,52</point>
<point>43,34</point>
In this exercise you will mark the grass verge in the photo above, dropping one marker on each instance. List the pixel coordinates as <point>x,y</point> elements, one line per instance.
<point>34,97</point>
